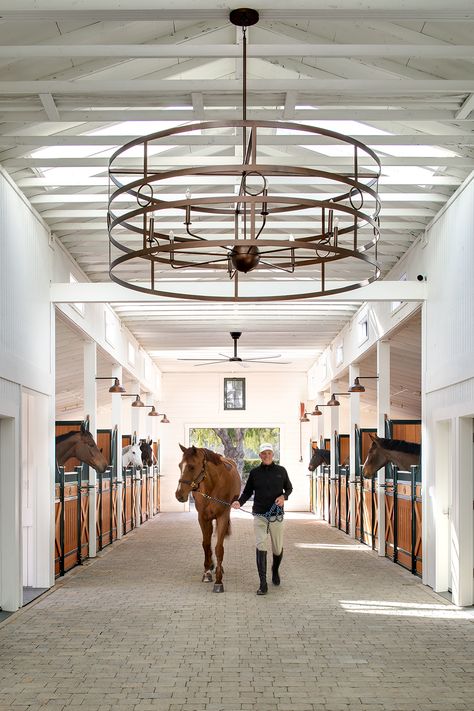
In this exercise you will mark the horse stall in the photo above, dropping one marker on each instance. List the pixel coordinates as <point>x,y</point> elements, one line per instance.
<point>403,503</point>
<point>342,482</point>
<point>366,503</point>
<point>106,502</point>
<point>71,509</point>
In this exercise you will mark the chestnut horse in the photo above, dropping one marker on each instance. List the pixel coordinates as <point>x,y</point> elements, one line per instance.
<point>402,454</point>
<point>215,483</point>
<point>80,445</point>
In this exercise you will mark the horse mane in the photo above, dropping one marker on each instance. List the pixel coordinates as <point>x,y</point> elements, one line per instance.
<point>61,438</point>
<point>212,457</point>
<point>400,445</point>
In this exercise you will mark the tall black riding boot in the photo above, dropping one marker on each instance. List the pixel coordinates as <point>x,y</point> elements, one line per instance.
<point>275,566</point>
<point>262,572</point>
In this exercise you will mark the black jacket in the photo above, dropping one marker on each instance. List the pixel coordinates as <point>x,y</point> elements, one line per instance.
<point>267,482</point>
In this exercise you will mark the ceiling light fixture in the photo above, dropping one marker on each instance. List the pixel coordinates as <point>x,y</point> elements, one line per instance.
<point>154,413</point>
<point>245,221</point>
<point>357,387</point>
<point>116,387</point>
<point>333,402</point>
<point>137,402</point>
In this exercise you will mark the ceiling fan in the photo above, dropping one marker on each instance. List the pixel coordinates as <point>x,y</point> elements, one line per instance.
<point>235,335</point>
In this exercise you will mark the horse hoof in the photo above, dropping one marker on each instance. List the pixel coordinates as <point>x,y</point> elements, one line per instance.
<point>207,577</point>
<point>218,587</point>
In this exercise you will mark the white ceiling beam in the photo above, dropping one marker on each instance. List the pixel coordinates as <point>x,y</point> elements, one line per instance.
<point>460,136</point>
<point>367,87</point>
<point>109,292</point>
<point>161,11</point>
<point>466,108</point>
<point>130,113</point>
<point>50,107</point>
<point>136,51</point>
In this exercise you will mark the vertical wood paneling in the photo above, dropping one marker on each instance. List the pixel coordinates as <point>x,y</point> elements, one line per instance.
<point>25,273</point>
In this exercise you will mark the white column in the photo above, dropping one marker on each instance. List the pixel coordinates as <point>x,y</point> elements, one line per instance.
<point>462,553</point>
<point>135,425</point>
<point>332,489</point>
<point>117,422</point>
<point>10,498</point>
<point>383,409</point>
<point>318,432</point>
<point>90,408</point>
<point>354,404</point>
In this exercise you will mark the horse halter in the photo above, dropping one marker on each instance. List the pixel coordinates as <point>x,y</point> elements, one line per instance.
<point>202,474</point>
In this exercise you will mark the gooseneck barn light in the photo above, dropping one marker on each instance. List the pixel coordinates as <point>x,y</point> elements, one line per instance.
<point>226,224</point>
<point>357,387</point>
<point>116,387</point>
<point>154,413</point>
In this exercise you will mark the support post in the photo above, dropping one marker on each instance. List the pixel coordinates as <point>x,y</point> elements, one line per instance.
<point>332,481</point>
<point>117,422</point>
<point>354,401</point>
<point>90,408</point>
<point>383,409</point>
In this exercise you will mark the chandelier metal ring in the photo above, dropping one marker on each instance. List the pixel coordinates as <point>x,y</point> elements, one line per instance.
<point>232,223</point>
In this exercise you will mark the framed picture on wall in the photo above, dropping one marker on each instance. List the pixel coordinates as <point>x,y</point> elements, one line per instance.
<point>234,393</point>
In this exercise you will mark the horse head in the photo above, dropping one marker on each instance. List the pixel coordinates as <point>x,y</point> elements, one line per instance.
<point>320,456</point>
<point>146,453</point>
<point>132,456</point>
<point>192,468</point>
<point>377,457</point>
<point>82,446</point>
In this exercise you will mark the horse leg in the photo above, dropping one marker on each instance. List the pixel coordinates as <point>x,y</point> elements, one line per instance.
<point>206,528</point>
<point>222,529</point>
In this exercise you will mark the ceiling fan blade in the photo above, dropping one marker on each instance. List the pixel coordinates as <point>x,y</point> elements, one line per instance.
<point>268,362</point>
<point>209,359</point>
<point>212,362</point>
<point>264,357</point>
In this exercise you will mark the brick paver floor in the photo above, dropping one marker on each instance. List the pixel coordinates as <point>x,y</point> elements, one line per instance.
<point>136,629</point>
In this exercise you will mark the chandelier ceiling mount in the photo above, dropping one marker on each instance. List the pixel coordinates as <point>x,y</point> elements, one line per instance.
<point>240,223</point>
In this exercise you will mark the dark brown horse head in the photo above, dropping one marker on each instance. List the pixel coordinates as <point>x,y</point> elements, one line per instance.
<point>403,454</point>
<point>147,452</point>
<point>192,471</point>
<point>80,445</point>
<point>320,456</point>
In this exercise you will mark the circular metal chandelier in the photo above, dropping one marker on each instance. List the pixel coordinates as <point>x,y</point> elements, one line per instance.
<point>229,231</point>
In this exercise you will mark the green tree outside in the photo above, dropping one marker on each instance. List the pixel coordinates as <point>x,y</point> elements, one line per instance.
<point>240,443</point>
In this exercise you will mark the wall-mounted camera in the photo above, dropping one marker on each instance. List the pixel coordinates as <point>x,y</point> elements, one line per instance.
<point>421,277</point>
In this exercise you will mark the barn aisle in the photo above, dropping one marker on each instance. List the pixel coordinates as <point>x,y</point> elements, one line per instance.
<point>137,630</point>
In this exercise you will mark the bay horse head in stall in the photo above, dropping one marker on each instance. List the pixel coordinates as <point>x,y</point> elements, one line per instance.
<point>320,456</point>
<point>148,458</point>
<point>402,454</point>
<point>80,445</point>
<point>132,456</point>
<point>214,483</point>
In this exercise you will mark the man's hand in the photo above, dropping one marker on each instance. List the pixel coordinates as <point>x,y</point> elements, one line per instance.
<point>280,501</point>
<point>236,505</point>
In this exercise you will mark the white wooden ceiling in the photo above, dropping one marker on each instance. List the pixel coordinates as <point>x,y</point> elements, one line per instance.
<point>77,81</point>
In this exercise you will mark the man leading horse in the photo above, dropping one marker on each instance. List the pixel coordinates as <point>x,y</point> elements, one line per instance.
<point>271,486</point>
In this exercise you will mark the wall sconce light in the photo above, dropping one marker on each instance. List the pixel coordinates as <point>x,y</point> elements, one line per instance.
<point>333,402</point>
<point>116,387</point>
<point>137,402</point>
<point>357,387</point>
<point>154,413</point>
<point>305,417</point>
<point>317,411</point>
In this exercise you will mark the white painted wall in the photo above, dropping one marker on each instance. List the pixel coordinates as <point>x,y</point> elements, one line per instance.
<point>196,400</point>
<point>445,255</point>
<point>25,362</point>
<point>448,339</point>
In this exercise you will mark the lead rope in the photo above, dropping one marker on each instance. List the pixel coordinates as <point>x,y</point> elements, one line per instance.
<point>275,513</point>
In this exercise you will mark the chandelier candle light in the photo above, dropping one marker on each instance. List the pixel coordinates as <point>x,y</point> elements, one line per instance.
<point>235,223</point>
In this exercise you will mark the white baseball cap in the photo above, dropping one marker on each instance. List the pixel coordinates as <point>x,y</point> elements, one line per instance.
<point>265,446</point>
